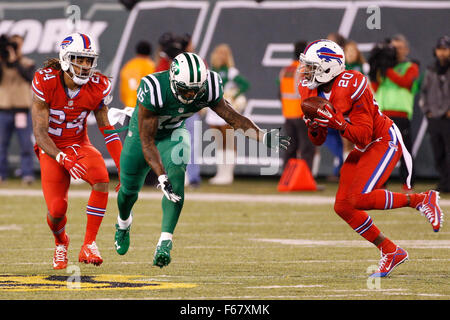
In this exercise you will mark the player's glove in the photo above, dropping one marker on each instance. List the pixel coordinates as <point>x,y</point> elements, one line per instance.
<point>331,119</point>
<point>167,189</point>
<point>77,170</point>
<point>272,139</point>
<point>311,124</point>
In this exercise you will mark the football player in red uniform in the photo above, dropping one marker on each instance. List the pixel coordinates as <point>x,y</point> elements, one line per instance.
<point>65,92</point>
<point>378,147</point>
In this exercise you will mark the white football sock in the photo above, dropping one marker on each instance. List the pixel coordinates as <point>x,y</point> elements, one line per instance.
<point>165,236</point>
<point>123,224</point>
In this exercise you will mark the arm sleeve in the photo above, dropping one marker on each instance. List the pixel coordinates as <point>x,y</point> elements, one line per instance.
<point>406,80</point>
<point>113,144</point>
<point>360,128</point>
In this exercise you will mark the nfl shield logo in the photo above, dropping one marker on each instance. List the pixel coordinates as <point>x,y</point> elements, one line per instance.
<point>180,110</point>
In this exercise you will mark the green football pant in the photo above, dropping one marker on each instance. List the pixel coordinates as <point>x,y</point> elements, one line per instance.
<point>175,154</point>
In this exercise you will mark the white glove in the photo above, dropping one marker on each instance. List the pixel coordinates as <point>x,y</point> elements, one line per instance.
<point>167,189</point>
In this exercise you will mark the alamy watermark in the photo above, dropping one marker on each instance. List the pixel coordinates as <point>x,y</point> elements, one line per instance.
<point>374,20</point>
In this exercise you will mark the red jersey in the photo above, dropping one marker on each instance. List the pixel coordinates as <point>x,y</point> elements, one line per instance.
<point>67,119</point>
<point>351,95</point>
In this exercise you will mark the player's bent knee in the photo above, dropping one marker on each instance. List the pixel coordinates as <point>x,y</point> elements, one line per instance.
<point>58,208</point>
<point>343,209</point>
<point>101,187</point>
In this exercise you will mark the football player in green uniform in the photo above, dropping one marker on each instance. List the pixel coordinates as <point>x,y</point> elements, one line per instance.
<point>157,140</point>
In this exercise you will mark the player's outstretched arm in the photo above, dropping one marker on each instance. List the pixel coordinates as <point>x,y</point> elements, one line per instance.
<point>271,138</point>
<point>40,113</point>
<point>148,127</point>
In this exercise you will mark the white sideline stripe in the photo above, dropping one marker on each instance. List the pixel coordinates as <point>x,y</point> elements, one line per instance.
<point>294,286</point>
<point>14,227</point>
<point>206,197</point>
<point>418,244</point>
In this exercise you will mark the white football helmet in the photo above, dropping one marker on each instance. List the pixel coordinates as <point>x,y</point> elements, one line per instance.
<point>320,63</point>
<point>78,45</point>
<point>188,77</point>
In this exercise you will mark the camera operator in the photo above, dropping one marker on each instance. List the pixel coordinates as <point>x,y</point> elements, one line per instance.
<point>394,83</point>
<point>16,74</point>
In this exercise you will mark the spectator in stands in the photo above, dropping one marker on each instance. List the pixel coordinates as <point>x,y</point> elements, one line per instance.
<point>435,104</point>
<point>132,72</point>
<point>301,147</point>
<point>395,95</point>
<point>338,38</point>
<point>170,46</point>
<point>235,85</point>
<point>16,74</point>
<point>354,59</point>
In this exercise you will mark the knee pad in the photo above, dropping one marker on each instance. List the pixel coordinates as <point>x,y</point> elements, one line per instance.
<point>58,208</point>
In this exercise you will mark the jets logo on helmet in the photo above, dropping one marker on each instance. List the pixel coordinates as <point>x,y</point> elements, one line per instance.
<point>74,47</point>
<point>321,62</point>
<point>188,77</point>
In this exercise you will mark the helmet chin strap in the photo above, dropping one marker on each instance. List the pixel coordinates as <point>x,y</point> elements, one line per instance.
<point>78,81</point>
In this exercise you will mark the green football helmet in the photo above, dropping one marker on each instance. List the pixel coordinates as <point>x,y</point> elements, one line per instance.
<point>188,77</point>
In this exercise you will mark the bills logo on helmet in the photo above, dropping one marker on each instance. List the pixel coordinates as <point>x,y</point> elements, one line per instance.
<point>328,54</point>
<point>66,42</point>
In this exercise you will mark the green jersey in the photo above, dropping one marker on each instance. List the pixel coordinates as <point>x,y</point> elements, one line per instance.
<point>154,93</point>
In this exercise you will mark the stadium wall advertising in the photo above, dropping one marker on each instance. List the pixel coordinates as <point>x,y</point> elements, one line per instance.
<point>260,34</point>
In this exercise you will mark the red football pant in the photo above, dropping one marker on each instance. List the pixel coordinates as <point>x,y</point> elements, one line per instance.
<point>361,175</point>
<point>55,186</point>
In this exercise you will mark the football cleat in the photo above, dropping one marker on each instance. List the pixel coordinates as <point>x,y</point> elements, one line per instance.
<point>161,257</point>
<point>389,261</point>
<point>431,210</point>
<point>60,256</point>
<point>122,240</point>
<point>89,254</point>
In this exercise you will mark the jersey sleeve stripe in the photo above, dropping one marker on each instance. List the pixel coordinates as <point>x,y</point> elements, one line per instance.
<point>36,89</point>
<point>152,90</point>
<point>37,92</point>
<point>155,82</point>
<point>358,91</point>
<point>108,89</point>
<point>212,92</point>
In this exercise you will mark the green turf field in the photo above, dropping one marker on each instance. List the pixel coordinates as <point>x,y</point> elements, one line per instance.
<point>245,241</point>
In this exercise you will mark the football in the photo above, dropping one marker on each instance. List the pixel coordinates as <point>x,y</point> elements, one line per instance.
<point>312,104</point>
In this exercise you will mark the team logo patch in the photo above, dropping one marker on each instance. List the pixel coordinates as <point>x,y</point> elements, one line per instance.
<point>327,54</point>
<point>66,42</point>
<point>175,67</point>
<point>85,283</point>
